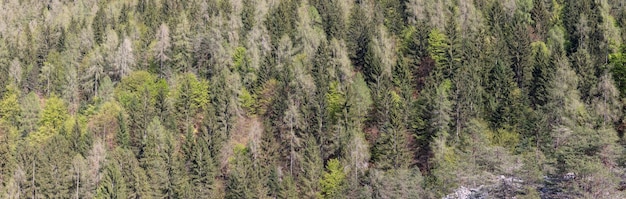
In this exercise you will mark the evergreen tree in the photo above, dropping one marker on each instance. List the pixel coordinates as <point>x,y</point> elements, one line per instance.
<point>112,184</point>
<point>182,49</point>
<point>156,158</point>
<point>202,169</point>
<point>332,181</point>
<point>53,176</point>
<point>312,169</point>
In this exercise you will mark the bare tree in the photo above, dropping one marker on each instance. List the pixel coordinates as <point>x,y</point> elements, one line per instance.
<point>162,46</point>
<point>94,72</point>
<point>124,59</point>
<point>15,71</point>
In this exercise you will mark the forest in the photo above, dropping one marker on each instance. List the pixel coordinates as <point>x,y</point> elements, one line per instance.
<point>312,99</point>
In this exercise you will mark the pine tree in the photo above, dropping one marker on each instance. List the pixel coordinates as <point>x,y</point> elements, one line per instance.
<point>202,169</point>
<point>390,148</point>
<point>99,24</point>
<point>583,65</point>
<point>542,74</point>
<point>29,111</point>
<point>112,184</point>
<point>156,159</point>
<point>133,176</point>
<point>241,175</point>
<point>182,49</point>
<point>358,36</point>
<point>312,169</point>
<point>333,180</point>
<point>500,85</point>
<point>8,142</point>
<point>9,106</point>
<point>54,167</point>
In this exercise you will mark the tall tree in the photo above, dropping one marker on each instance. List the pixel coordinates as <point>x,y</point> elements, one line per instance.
<point>182,49</point>
<point>93,74</point>
<point>124,60</point>
<point>156,158</point>
<point>30,113</point>
<point>161,49</point>
<point>333,180</point>
<point>112,184</point>
<point>51,120</point>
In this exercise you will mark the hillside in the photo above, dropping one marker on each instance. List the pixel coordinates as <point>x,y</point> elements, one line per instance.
<point>312,99</point>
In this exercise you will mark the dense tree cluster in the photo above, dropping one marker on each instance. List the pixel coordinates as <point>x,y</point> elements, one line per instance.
<point>311,98</point>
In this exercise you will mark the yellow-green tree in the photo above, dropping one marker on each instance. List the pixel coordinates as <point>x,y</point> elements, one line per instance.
<point>333,180</point>
<point>51,120</point>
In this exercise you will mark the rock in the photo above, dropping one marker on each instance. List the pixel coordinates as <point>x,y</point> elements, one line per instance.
<point>460,193</point>
<point>569,176</point>
<point>504,187</point>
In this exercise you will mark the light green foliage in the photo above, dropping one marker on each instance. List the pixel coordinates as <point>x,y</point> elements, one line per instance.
<point>51,120</point>
<point>9,106</point>
<point>333,180</point>
<point>240,61</point>
<point>253,98</point>
<point>438,47</point>
<point>618,62</point>
<point>143,97</point>
<point>247,100</point>
<point>191,100</point>
<point>335,100</point>
<point>104,123</point>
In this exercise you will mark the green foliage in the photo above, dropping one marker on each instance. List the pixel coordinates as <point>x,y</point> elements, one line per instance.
<point>202,169</point>
<point>251,99</point>
<point>50,123</point>
<point>247,100</point>
<point>9,106</point>
<point>312,166</point>
<point>403,183</point>
<point>242,178</point>
<point>30,113</point>
<point>191,100</point>
<point>358,36</point>
<point>281,20</point>
<point>112,184</point>
<point>335,100</point>
<point>52,170</point>
<point>438,48</point>
<point>618,62</point>
<point>333,180</point>
<point>157,150</point>
<point>8,141</point>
